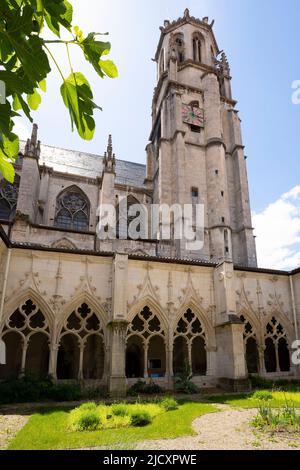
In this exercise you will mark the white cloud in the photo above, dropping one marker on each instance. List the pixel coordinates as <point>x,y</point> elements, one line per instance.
<point>277,229</point>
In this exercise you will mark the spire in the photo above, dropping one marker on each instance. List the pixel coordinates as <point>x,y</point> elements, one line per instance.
<point>186,13</point>
<point>33,146</point>
<point>109,160</point>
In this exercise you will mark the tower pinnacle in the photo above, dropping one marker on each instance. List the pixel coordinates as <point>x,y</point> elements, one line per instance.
<point>109,160</point>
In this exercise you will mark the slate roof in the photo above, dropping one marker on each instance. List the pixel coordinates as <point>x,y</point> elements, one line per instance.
<point>89,165</point>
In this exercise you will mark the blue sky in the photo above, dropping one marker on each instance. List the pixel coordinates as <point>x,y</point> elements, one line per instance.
<point>261,39</point>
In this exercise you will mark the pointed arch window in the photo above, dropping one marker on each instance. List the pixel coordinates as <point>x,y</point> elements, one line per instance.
<point>197,48</point>
<point>277,355</point>
<point>180,48</point>
<point>145,346</point>
<point>9,198</point>
<point>81,353</point>
<point>72,210</point>
<point>189,343</point>
<point>26,334</point>
<point>251,348</point>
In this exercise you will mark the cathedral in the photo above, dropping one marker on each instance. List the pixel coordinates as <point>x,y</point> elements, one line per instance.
<point>108,312</point>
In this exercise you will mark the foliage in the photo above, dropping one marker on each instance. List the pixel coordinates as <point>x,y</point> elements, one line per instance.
<point>141,418</point>
<point>244,400</point>
<point>262,395</point>
<point>87,420</point>
<point>90,417</point>
<point>33,389</point>
<point>91,393</point>
<point>25,57</point>
<point>286,418</point>
<point>261,383</point>
<point>183,382</point>
<point>64,392</point>
<point>168,404</point>
<point>48,429</point>
<point>141,387</point>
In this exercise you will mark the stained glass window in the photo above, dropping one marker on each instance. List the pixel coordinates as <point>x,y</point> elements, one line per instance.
<point>72,211</point>
<point>8,198</point>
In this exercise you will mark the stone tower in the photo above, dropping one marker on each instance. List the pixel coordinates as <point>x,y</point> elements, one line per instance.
<point>196,154</point>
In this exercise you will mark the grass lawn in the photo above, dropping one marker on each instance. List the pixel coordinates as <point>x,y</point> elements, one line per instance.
<point>246,400</point>
<point>47,429</point>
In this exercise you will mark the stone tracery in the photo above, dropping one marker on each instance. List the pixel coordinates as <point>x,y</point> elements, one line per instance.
<point>190,344</point>
<point>145,343</point>
<point>81,345</point>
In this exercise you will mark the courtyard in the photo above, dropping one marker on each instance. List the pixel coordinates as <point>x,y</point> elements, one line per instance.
<point>220,422</point>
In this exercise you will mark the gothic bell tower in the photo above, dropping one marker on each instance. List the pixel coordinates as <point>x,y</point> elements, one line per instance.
<point>196,153</point>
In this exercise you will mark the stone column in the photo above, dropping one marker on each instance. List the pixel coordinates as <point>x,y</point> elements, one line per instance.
<point>80,368</point>
<point>146,346</point>
<point>231,366</point>
<point>261,359</point>
<point>169,367</point>
<point>117,375</point>
<point>211,356</point>
<point>117,327</point>
<point>53,361</point>
<point>23,360</point>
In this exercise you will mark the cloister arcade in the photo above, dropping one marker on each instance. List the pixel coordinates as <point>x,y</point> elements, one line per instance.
<point>77,346</point>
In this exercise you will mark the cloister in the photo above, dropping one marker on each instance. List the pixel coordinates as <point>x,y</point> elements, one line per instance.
<point>77,347</point>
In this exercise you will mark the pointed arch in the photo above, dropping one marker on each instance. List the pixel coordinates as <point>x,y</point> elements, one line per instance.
<point>83,297</point>
<point>285,322</point>
<point>155,307</point>
<point>29,322</point>
<point>146,337</point>
<point>20,298</point>
<point>72,209</point>
<point>81,340</point>
<point>197,43</point>
<point>179,46</point>
<point>252,343</point>
<point>250,316</point>
<point>277,340</point>
<point>191,340</point>
<point>201,314</point>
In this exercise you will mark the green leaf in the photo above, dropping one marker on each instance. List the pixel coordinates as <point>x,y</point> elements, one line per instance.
<point>16,103</point>
<point>109,68</point>
<point>77,97</point>
<point>10,145</point>
<point>34,100</point>
<point>93,50</point>
<point>7,169</point>
<point>57,13</point>
<point>43,85</point>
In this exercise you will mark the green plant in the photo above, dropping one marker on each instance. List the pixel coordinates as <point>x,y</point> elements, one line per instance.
<point>94,393</point>
<point>65,392</point>
<point>85,420</point>
<point>262,395</point>
<point>261,383</point>
<point>33,389</point>
<point>284,418</point>
<point>141,418</point>
<point>258,382</point>
<point>25,54</point>
<point>183,382</point>
<point>168,404</point>
<point>120,409</point>
<point>141,387</point>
